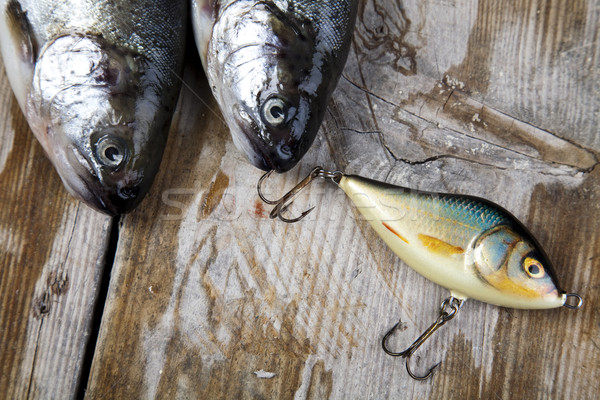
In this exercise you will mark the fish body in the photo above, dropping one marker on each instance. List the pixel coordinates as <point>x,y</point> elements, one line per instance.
<point>98,83</point>
<point>272,66</point>
<point>468,245</point>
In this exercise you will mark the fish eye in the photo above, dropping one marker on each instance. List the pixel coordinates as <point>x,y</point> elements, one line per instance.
<point>111,152</point>
<point>275,112</point>
<point>533,267</point>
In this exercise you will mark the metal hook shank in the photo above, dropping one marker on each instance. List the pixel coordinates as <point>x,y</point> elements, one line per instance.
<point>448,310</point>
<point>283,203</point>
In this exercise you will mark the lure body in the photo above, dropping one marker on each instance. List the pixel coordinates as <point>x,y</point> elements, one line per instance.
<point>272,66</point>
<point>468,245</point>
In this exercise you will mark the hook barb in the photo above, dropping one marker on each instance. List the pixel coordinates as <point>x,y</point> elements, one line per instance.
<point>283,203</point>
<point>424,377</point>
<point>448,310</point>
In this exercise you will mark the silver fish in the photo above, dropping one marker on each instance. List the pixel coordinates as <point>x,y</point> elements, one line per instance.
<point>272,66</point>
<point>97,82</point>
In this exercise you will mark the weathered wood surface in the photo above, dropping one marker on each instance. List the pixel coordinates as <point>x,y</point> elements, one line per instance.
<point>486,98</point>
<point>51,260</point>
<point>207,295</point>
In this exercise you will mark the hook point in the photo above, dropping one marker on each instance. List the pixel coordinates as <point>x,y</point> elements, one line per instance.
<point>424,377</point>
<point>282,204</point>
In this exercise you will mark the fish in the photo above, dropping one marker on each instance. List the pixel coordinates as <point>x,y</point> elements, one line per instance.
<point>469,245</point>
<point>98,82</point>
<point>272,67</point>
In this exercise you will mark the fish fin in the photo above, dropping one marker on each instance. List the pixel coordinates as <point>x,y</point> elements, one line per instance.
<point>439,246</point>
<point>20,29</point>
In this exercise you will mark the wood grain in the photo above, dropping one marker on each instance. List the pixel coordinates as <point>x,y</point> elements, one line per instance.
<point>209,298</point>
<point>51,260</point>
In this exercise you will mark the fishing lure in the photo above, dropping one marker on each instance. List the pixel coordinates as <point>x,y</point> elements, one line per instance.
<point>469,245</point>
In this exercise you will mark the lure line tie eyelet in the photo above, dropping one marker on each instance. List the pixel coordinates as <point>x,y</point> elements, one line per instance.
<point>573,306</point>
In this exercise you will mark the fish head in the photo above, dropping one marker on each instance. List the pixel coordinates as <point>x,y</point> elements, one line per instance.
<point>99,126</point>
<point>273,85</point>
<point>509,259</point>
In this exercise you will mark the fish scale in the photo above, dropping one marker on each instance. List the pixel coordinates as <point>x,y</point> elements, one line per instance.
<point>333,22</point>
<point>156,41</point>
<point>448,217</point>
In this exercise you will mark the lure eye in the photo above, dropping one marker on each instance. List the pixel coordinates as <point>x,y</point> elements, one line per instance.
<point>533,268</point>
<point>111,152</point>
<point>275,112</point>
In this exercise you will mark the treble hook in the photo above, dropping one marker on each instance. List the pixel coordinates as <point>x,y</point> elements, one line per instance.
<point>448,310</point>
<point>283,203</point>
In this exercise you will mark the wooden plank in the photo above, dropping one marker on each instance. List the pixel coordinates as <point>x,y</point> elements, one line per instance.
<point>211,299</point>
<point>51,260</point>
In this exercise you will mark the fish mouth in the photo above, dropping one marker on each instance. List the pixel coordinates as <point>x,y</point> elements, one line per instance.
<point>121,202</point>
<point>277,156</point>
<point>84,181</point>
<point>278,152</point>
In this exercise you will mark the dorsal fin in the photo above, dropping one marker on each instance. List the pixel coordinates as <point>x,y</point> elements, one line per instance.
<point>21,32</point>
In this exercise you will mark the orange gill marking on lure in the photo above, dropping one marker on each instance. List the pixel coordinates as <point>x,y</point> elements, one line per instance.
<point>395,233</point>
<point>439,246</point>
<point>502,282</point>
